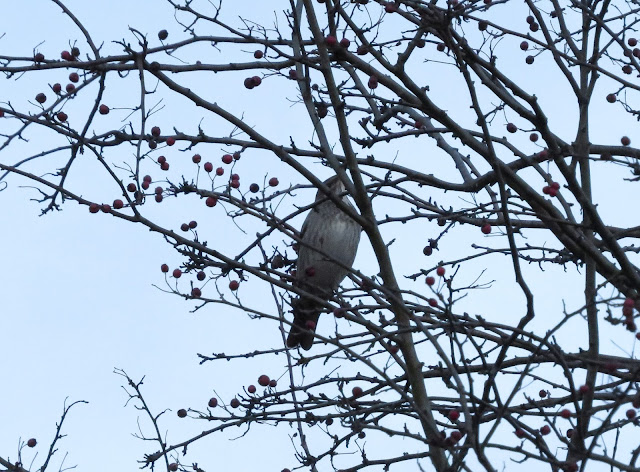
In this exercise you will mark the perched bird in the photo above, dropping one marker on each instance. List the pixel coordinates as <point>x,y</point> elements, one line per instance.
<point>329,230</point>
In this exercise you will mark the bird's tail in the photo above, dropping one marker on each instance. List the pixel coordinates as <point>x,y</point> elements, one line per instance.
<point>305,319</point>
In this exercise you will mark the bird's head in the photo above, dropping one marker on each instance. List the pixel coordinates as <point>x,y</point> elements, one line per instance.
<point>335,185</point>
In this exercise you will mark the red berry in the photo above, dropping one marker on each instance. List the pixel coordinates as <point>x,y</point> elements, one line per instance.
<point>164,268</point>
<point>433,302</point>
<point>177,273</point>
<point>520,433</point>
<point>196,158</point>
<point>584,388</point>
<point>322,110</point>
<point>625,141</point>
<point>310,325</point>
<point>57,88</point>
<point>258,54</point>
<point>390,7</point>
<point>39,57</point>
<point>164,166</point>
<point>631,414</point>
<point>254,188</point>
<point>235,403</point>
<point>611,98</point>
<point>196,292</point>
<point>427,251</point>
<point>213,402</point>
<point>32,442</point>
<point>629,303</point>
<point>542,393</point>
<point>440,47</point>
<point>103,109</point>
<point>211,201</point>
<point>163,34</point>
<point>454,415</point>
<point>273,182</point>
<point>233,285</point>
<point>201,276</point>
<point>524,45</point>
<point>344,42</point>
<point>193,224</point>
<point>131,187</point>
<point>362,50</point>
<point>483,25</point>
<point>106,208</point>
<point>248,83</point>
<point>430,280</point>
<point>74,77</point>
<point>219,171</point>
<point>533,137</point>
<point>208,166</point>
<point>235,177</point>
<point>357,392</point>
<point>66,55</point>
<point>546,429</point>
<point>566,414</point>
<point>153,144</point>
<point>75,52</point>
<point>273,383</point>
<point>256,80</point>
<point>171,141</point>
<point>627,69</point>
<point>158,197</point>
<point>511,128</point>
<point>293,74</point>
<point>373,82</point>
<point>184,227</point>
<point>41,98</point>
<point>440,271</point>
<point>62,116</point>
<point>263,380</point>
<point>632,42</point>
<point>227,158</point>
<point>236,156</point>
<point>173,467</point>
<point>235,183</point>
<point>546,189</point>
<point>331,41</point>
<point>251,389</point>
<point>70,88</point>
<point>118,204</point>
<point>182,413</point>
<point>486,228</point>
<point>155,131</point>
<point>529,59</point>
<point>555,185</point>
<point>161,159</point>
<point>456,435</point>
<point>158,190</point>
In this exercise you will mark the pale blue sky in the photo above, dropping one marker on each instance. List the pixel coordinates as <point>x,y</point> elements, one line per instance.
<point>77,291</point>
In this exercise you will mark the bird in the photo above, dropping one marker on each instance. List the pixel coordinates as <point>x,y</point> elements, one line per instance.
<point>336,235</point>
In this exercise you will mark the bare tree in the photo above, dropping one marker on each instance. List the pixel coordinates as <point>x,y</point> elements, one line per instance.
<point>463,132</point>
